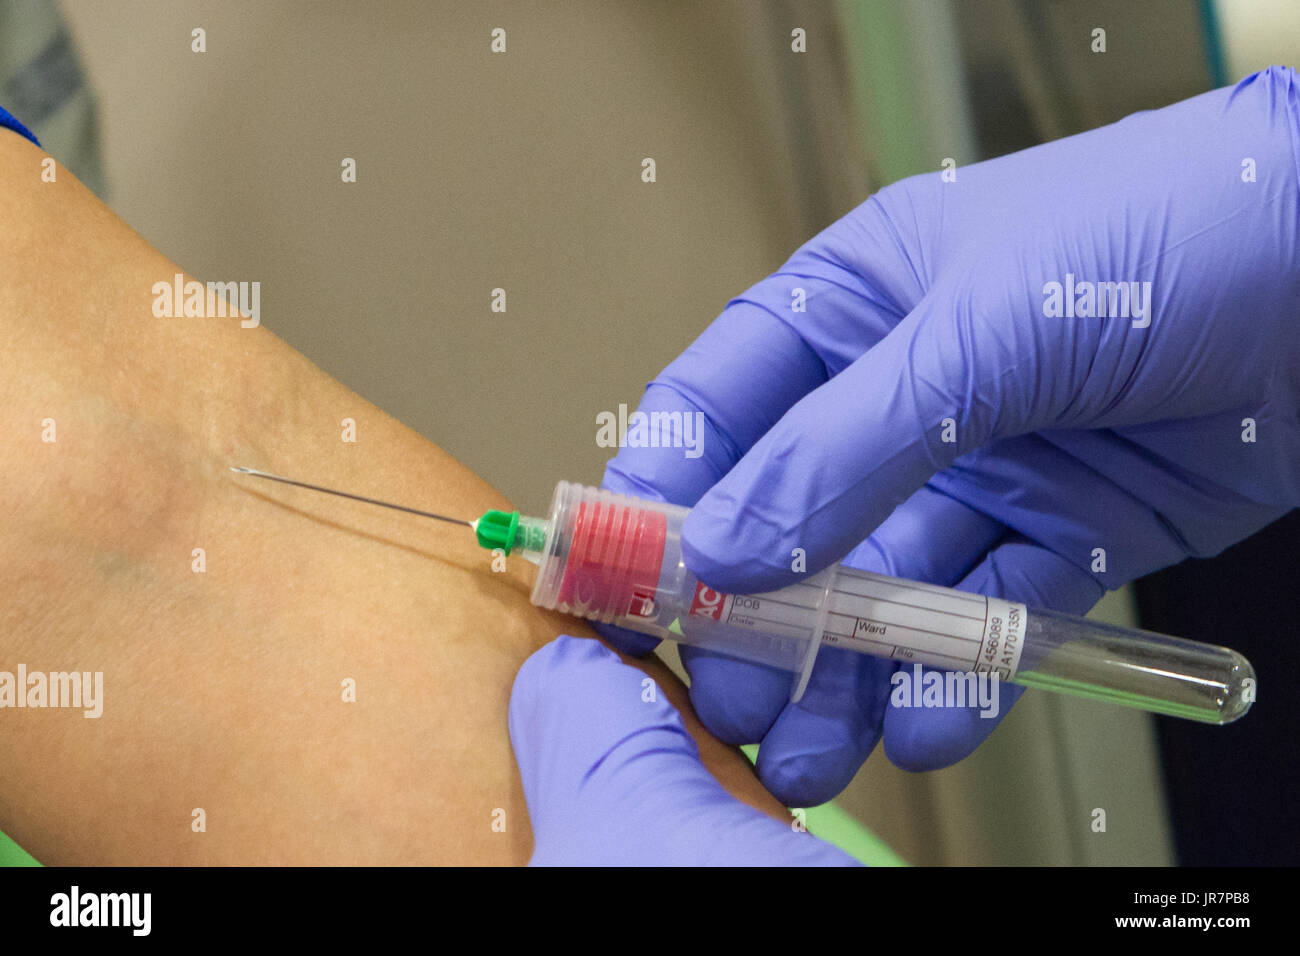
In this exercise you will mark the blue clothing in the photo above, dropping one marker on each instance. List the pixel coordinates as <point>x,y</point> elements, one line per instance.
<point>8,121</point>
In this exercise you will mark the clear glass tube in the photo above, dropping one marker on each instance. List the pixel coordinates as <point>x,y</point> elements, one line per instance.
<point>617,559</point>
<point>1155,672</point>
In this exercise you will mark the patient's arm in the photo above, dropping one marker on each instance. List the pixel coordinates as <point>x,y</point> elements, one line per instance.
<point>223,690</point>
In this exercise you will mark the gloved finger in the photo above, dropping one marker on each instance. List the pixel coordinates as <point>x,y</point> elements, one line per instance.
<point>1020,570</point>
<point>629,642</point>
<point>1077,489</point>
<point>931,537</point>
<point>837,296</point>
<point>612,776</point>
<point>850,452</point>
<point>680,472</point>
<point>737,700</point>
<point>811,750</point>
<point>814,748</point>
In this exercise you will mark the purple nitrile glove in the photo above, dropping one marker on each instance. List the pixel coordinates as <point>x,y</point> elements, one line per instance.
<point>962,388</point>
<point>613,778</point>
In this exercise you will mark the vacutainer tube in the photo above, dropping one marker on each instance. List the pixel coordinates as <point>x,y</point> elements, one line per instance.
<point>617,559</point>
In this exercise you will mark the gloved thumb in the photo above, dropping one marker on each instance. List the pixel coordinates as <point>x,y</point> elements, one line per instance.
<point>613,777</point>
<point>849,452</point>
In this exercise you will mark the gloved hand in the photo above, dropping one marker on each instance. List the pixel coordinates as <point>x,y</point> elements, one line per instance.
<point>614,779</point>
<point>940,395</point>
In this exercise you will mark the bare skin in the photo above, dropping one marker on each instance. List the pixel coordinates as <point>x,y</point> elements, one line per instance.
<point>224,690</point>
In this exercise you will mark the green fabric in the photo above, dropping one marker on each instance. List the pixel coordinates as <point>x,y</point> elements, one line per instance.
<point>908,87</point>
<point>11,854</point>
<point>886,114</point>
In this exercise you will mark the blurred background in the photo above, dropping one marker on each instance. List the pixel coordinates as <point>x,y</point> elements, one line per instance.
<point>522,170</point>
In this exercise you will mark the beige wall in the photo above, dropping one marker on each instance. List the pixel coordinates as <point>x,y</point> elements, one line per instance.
<point>475,171</point>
